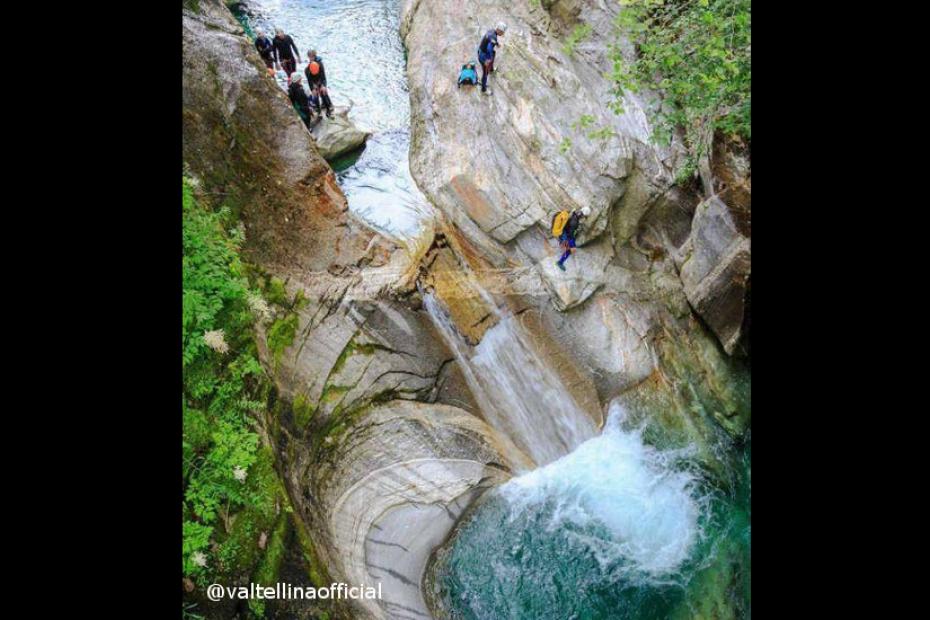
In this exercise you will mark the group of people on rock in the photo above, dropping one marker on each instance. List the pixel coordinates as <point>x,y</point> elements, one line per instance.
<point>281,53</point>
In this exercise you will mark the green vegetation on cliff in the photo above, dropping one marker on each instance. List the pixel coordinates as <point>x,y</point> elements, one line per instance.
<point>697,54</point>
<point>232,496</point>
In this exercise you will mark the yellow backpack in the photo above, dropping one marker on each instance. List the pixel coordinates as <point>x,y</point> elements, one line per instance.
<point>558,223</point>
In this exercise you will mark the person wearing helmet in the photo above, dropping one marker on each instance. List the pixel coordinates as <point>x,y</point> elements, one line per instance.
<point>265,48</point>
<point>298,96</point>
<point>282,44</point>
<point>316,81</point>
<point>567,238</point>
<point>487,49</point>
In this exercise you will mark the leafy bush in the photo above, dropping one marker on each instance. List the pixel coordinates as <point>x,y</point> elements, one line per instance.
<point>697,54</point>
<point>223,384</point>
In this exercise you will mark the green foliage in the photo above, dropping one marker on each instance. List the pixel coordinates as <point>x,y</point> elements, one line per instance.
<point>196,538</point>
<point>222,387</point>
<point>275,292</point>
<point>579,34</point>
<point>584,122</point>
<point>697,54</point>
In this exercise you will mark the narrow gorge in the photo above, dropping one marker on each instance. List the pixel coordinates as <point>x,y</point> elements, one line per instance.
<point>446,413</point>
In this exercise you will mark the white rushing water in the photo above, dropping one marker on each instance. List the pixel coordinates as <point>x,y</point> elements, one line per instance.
<point>649,507</point>
<point>519,393</point>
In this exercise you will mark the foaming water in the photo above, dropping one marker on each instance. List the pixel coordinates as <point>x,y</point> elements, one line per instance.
<point>617,529</point>
<point>360,44</point>
<point>511,381</point>
<point>642,513</point>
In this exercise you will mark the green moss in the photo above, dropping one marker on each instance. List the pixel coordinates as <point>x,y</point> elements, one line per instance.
<point>316,570</point>
<point>303,410</point>
<point>276,293</point>
<point>334,393</point>
<point>281,335</point>
<point>269,568</point>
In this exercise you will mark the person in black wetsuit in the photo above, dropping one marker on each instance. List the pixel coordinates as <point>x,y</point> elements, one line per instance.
<point>265,48</point>
<point>282,46</point>
<point>300,100</point>
<point>316,80</point>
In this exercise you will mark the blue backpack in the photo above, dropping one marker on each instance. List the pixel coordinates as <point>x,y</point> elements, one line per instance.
<point>468,75</point>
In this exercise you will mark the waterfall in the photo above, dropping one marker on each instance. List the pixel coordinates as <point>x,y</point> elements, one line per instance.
<point>649,506</point>
<point>520,394</point>
<point>616,529</point>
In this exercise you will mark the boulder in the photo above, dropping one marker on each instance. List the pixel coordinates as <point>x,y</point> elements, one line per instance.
<point>338,135</point>
<point>717,271</point>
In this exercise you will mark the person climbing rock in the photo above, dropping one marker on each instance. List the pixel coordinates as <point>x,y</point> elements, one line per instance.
<point>316,80</point>
<point>468,75</point>
<point>282,46</point>
<point>567,238</point>
<point>265,48</point>
<point>300,100</point>
<point>487,49</point>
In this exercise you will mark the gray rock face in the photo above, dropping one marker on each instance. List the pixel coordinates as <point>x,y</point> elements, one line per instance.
<point>401,483</point>
<point>716,274</point>
<point>338,135</point>
<point>498,165</point>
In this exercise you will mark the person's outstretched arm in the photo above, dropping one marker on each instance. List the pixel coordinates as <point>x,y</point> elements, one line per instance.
<point>290,40</point>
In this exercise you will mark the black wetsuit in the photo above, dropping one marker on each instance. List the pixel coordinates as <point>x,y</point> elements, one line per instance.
<point>300,100</point>
<point>265,50</point>
<point>282,47</point>
<point>318,80</point>
<point>321,77</point>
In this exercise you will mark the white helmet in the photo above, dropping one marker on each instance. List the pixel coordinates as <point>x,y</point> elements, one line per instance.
<point>501,26</point>
<point>586,211</point>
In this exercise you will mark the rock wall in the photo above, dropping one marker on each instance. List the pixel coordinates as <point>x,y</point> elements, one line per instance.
<point>376,435</point>
<point>660,275</point>
<point>500,166</point>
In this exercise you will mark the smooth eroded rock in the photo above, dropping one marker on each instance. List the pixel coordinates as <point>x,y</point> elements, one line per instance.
<point>338,135</point>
